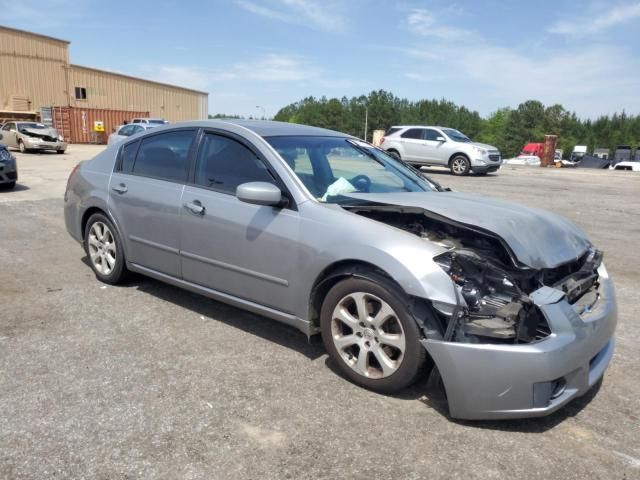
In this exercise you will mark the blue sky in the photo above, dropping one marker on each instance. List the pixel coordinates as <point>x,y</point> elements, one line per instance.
<point>483,54</point>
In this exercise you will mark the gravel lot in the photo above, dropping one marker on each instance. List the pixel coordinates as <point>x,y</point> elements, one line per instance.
<point>148,381</point>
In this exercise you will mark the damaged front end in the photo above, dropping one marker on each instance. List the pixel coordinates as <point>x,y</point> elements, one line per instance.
<point>516,341</point>
<point>491,286</point>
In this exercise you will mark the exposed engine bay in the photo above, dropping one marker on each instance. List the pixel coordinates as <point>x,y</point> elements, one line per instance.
<point>492,287</point>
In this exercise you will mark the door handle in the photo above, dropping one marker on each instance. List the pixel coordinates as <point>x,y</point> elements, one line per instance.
<point>122,188</point>
<point>195,207</point>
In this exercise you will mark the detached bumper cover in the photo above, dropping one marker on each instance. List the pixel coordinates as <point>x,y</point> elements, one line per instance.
<point>485,381</point>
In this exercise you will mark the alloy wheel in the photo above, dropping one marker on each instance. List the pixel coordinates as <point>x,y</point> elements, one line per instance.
<point>102,248</point>
<point>459,165</point>
<point>368,335</point>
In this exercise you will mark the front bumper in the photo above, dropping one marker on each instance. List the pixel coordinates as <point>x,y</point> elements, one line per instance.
<point>8,172</point>
<point>485,164</point>
<point>34,144</point>
<point>487,381</point>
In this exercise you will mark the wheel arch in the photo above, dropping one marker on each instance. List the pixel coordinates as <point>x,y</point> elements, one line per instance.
<point>458,154</point>
<point>342,269</point>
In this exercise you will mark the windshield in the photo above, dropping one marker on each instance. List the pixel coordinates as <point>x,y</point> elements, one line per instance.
<point>33,126</point>
<point>456,136</point>
<point>333,167</point>
<point>157,122</point>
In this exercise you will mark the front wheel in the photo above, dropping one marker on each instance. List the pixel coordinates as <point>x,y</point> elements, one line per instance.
<point>7,186</point>
<point>369,332</point>
<point>60,152</point>
<point>104,248</point>
<point>460,165</point>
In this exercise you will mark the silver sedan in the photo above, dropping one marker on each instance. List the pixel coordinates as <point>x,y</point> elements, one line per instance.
<point>511,307</point>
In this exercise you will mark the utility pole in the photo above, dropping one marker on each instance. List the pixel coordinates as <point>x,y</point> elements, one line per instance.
<point>366,121</point>
<point>264,112</point>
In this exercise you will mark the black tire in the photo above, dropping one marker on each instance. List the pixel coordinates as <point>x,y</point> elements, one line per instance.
<point>460,165</point>
<point>119,272</point>
<point>7,186</point>
<point>60,152</point>
<point>414,355</point>
<point>394,154</point>
<point>21,147</point>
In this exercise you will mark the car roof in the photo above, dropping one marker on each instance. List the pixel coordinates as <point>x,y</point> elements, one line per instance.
<point>418,126</point>
<point>264,128</point>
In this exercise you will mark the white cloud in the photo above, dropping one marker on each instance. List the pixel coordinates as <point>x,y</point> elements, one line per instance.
<point>322,15</point>
<point>597,21</point>
<point>596,80</point>
<point>272,68</point>
<point>424,23</point>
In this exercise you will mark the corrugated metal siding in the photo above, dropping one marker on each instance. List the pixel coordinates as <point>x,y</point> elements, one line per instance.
<point>114,91</point>
<point>76,124</point>
<point>32,68</point>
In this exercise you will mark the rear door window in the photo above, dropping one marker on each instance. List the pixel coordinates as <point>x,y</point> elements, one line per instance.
<point>413,133</point>
<point>165,156</point>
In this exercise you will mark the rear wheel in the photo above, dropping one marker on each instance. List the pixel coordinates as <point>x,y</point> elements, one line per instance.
<point>371,335</point>
<point>460,165</point>
<point>104,248</point>
<point>7,186</point>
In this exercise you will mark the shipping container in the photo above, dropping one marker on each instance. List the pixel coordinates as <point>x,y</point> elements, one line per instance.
<point>77,125</point>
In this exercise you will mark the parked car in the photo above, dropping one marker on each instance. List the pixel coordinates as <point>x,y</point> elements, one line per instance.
<point>156,121</point>
<point>633,162</point>
<point>8,168</point>
<point>27,136</point>
<point>125,131</point>
<point>440,146</point>
<point>331,235</point>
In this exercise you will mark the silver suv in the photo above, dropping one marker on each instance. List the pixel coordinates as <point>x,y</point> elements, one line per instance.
<point>442,147</point>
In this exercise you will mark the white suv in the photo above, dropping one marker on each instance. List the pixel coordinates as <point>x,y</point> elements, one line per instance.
<point>441,146</point>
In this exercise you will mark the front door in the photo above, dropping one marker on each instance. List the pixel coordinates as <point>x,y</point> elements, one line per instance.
<point>248,251</point>
<point>145,195</point>
<point>9,135</point>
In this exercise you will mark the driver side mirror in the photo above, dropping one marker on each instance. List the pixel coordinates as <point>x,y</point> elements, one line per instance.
<point>441,139</point>
<point>261,193</point>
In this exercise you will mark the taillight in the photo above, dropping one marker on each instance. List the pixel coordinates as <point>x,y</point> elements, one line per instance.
<point>73,172</point>
<point>382,140</point>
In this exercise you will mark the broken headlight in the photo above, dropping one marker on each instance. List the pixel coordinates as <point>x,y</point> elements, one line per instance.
<point>491,305</point>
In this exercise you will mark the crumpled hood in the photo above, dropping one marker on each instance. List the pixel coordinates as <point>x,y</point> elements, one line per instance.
<point>42,132</point>
<point>537,238</point>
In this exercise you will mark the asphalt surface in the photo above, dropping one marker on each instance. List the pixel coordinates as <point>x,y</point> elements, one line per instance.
<point>148,381</point>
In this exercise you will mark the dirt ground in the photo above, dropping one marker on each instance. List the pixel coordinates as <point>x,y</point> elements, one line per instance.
<point>149,381</point>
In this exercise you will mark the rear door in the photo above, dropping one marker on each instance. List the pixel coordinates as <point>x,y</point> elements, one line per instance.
<point>413,145</point>
<point>145,195</point>
<point>248,251</point>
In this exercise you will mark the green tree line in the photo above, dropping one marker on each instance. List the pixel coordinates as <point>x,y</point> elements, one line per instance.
<point>507,128</point>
